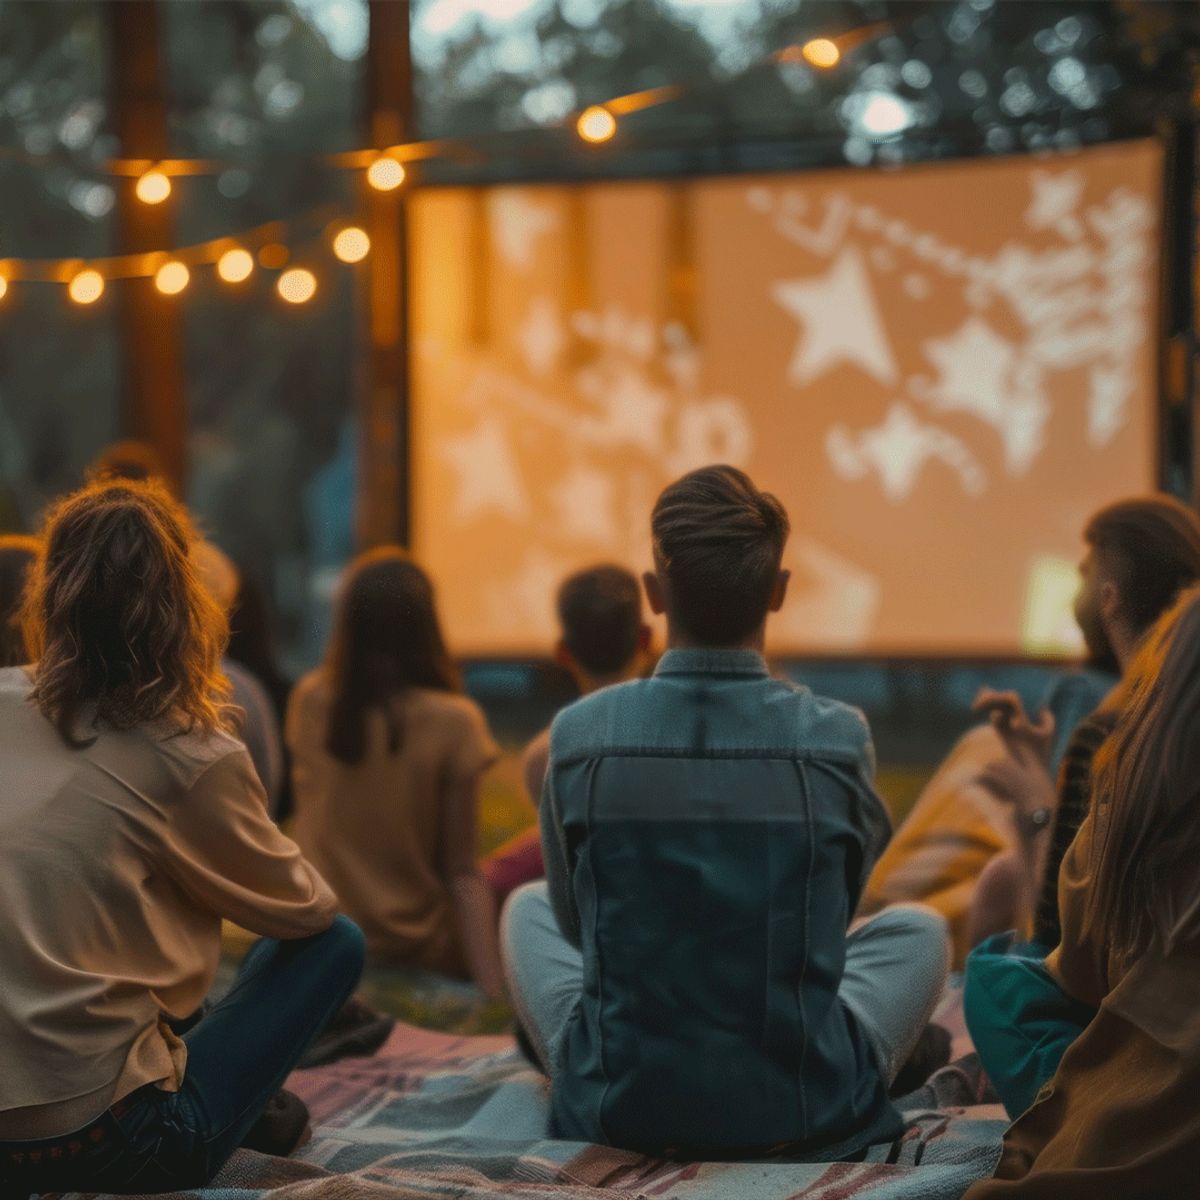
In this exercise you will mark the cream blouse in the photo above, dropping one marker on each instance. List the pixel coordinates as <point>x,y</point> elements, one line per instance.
<point>117,863</point>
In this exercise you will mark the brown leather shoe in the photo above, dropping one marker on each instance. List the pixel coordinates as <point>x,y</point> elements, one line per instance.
<point>282,1128</point>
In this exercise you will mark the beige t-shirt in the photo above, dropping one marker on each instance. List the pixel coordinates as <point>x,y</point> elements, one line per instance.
<point>117,863</point>
<point>374,829</point>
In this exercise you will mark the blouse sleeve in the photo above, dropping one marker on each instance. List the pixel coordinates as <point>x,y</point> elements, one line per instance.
<point>474,747</point>
<point>1079,964</point>
<point>220,846</point>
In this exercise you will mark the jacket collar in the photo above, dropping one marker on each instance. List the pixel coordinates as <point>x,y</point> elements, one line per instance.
<point>712,661</point>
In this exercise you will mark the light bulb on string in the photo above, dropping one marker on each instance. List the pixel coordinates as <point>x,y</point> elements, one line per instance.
<point>3,287</point>
<point>351,244</point>
<point>297,285</point>
<point>86,287</point>
<point>386,174</point>
<point>596,124</point>
<point>821,52</point>
<point>172,277</point>
<point>153,187</point>
<point>235,265</point>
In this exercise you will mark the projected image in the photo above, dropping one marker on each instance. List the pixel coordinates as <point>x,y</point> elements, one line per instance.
<point>940,393</point>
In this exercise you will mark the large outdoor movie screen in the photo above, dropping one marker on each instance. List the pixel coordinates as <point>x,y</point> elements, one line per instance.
<point>940,370</point>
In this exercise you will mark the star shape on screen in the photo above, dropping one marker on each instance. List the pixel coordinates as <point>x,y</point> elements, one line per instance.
<point>632,408</point>
<point>517,223</point>
<point>712,430</point>
<point>897,452</point>
<point>542,337</point>
<point>585,503</point>
<point>1055,201</point>
<point>974,367</point>
<point>829,596</point>
<point>487,474</point>
<point>979,373</point>
<point>840,319</point>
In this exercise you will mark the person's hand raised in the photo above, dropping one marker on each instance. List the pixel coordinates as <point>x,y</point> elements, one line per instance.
<point>1027,740</point>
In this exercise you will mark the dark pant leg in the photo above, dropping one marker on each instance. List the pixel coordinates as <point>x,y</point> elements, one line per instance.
<point>247,1044</point>
<point>239,1054</point>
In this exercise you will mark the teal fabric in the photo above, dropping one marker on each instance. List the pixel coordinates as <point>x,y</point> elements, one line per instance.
<point>707,833</point>
<point>1021,1022</point>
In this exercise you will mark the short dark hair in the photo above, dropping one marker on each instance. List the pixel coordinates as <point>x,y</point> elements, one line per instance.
<point>600,610</point>
<point>718,541</point>
<point>1151,547</point>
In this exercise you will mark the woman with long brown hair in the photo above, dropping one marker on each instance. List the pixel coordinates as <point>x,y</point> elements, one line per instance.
<point>387,760</point>
<point>131,824</point>
<point>1119,1118</point>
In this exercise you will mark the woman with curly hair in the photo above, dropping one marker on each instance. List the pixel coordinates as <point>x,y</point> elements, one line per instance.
<point>131,823</point>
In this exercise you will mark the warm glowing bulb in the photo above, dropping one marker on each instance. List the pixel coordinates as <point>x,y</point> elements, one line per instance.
<point>297,285</point>
<point>86,287</point>
<point>385,174</point>
<point>596,124</point>
<point>171,278</point>
<point>352,244</point>
<point>821,52</point>
<point>153,187</point>
<point>3,287</point>
<point>235,265</point>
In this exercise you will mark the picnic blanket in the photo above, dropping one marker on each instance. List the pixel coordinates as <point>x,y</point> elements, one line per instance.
<point>442,1115</point>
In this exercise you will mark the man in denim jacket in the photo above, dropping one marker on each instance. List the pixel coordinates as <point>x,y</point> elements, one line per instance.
<point>686,973</point>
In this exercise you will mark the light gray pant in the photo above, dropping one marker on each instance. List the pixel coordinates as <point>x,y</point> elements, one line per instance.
<point>896,967</point>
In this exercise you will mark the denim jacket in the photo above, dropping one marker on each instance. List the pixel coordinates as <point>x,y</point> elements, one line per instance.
<point>707,834</point>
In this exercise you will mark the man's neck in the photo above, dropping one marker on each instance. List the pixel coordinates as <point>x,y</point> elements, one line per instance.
<point>1124,644</point>
<point>678,640</point>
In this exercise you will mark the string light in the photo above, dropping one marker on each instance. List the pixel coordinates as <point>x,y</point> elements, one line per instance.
<point>3,287</point>
<point>352,244</point>
<point>386,174</point>
<point>821,52</point>
<point>152,188</point>
<point>235,265</point>
<point>596,124</point>
<point>86,287</point>
<point>172,277</point>
<point>296,286</point>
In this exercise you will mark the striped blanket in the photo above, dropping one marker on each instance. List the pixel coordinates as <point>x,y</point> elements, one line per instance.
<point>441,1115</point>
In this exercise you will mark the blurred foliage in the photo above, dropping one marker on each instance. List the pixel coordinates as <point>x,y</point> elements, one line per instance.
<point>268,86</point>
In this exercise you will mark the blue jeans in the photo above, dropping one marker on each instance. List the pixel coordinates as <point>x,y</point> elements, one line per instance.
<point>239,1054</point>
<point>894,975</point>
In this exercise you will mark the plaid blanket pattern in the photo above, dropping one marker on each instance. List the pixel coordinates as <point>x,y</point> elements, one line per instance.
<point>435,1115</point>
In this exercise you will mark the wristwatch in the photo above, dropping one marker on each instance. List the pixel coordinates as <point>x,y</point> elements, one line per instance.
<point>1037,819</point>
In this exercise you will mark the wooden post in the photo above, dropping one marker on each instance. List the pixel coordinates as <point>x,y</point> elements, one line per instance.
<point>154,407</point>
<point>384,489</point>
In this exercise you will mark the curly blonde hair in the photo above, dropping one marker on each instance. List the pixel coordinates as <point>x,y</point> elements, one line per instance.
<point>116,621</point>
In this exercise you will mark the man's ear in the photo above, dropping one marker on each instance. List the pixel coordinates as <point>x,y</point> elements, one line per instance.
<point>654,593</point>
<point>1110,600</point>
<point>779,591</point>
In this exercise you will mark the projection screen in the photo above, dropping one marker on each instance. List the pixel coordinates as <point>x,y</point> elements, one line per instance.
<point>941,371</point>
